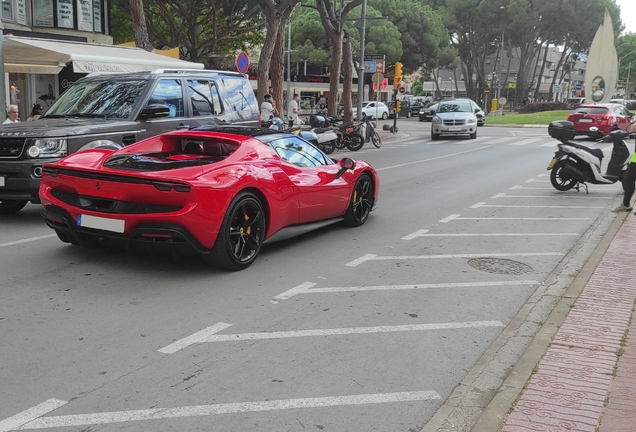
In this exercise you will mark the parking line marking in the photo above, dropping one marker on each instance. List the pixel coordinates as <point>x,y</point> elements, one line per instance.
<point>432,159</point>
<point>483,204</point>
<point>530,188</point>
<point>197,337</point>
<point>526,141</point>
<point>504,195</point>
<point>416,234</point>
<point>457,217</point>
<point>228,408</point>
<point>27,240</point>
<point>496,234</point>
<point>373,257</point>
<point>500,140</point>
<point>17,421</point>
<point>536,181</point>
<point>302,288</point>
<point>294,291</point>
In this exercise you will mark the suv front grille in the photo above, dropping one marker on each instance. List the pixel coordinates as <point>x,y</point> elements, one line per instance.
<point>454,122</point>
<point>11,147</point>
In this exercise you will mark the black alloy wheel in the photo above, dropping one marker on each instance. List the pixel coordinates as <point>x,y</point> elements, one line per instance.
<point>11,206</point>
<point>241,235</point>
<point>361,201</point>
<point>560,179</point>
<point>354,141</point>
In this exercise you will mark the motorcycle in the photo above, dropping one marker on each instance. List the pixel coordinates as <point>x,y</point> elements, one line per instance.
<point>328,138</point>
<point>574,164</point>
<point>369,133</point>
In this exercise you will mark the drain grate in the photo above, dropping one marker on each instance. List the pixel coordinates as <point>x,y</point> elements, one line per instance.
<point>499,266</point>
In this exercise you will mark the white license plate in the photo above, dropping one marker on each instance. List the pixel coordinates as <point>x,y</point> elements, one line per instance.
<point>585,121</point>
<point>1,181</point>
<point>454,129</point>
<point>106,224</point>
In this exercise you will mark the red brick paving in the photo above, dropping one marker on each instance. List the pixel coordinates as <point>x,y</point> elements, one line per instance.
<point>573,388</point>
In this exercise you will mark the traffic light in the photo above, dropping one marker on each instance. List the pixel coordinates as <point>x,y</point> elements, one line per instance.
<point>398,75</point>
<point>398,106</point>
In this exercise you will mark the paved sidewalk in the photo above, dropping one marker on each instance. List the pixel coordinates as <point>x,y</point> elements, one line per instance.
<point>586,380</point>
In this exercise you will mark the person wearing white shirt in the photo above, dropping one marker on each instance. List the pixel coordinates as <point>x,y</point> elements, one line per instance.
<point>294,110</point>
<point>269,112</point>
<point>12,115</point>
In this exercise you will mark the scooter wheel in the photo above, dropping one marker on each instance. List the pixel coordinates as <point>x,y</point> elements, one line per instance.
<point>354,142</point>
<point>377,141</point>
<point>560,180</point>
<point>328,147</point>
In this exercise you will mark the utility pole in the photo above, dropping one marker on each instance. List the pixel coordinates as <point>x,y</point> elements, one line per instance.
<point>289,95</point>
<point>363,20</point>
<point>3,91</point>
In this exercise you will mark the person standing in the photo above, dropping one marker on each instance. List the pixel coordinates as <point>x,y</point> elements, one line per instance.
<point>12,115</point>
<point>269,113</point>
<point>36,112</point>
<point>629,181</point>
<point>294,110</point>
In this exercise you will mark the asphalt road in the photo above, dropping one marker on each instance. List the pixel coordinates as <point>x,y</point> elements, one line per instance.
<point>344,329</point>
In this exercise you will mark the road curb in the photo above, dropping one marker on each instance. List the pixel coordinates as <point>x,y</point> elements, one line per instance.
<point>484,397</point>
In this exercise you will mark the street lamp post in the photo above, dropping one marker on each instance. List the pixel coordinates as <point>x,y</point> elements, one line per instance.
<point>363,20</point>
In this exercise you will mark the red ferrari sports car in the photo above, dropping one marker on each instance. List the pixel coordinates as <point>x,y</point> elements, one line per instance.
<point>221,192</point>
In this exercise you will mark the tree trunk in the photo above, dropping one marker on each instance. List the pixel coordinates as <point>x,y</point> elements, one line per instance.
<point>545,57</point>
<point>277,72</point>
<point>267,52</point>
<point>347,72</point>
<point>334,73</point>
<point>139,25</point>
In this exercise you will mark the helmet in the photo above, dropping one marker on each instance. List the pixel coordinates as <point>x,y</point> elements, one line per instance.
<point>317,121</point>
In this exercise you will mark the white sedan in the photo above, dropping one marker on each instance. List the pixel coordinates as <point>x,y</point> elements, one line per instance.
<point>375,110</point>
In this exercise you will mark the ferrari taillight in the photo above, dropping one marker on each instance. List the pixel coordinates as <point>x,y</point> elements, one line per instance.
<point>166,187</point>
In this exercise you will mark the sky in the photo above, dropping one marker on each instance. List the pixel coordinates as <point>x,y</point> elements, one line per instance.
<point>628,14</point>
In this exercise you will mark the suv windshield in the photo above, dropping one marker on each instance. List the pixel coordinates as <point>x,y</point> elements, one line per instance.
<point>454,107</point>
<point>112,99</point>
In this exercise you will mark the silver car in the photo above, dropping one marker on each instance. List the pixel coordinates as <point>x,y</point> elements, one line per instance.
<point>454,118</point>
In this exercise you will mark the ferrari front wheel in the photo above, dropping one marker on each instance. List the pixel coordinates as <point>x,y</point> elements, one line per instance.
<point>361,202</point>
<point>241,235</point>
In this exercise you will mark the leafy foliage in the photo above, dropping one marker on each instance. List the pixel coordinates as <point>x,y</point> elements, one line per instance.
<point>543,106</point>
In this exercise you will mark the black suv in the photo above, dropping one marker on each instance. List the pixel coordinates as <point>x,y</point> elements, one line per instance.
<point>112,111</point>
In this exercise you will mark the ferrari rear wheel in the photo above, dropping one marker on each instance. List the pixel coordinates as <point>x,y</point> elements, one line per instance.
<point>241,235</point>
<point>11,206</point>
<point>361,202</point>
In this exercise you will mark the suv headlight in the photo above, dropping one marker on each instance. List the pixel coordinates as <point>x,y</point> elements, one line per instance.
<point>47,148</point>
<point>436,120</point>
<point>471,120</point>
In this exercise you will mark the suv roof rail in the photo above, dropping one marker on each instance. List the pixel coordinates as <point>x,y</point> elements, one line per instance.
<point>161,71</point>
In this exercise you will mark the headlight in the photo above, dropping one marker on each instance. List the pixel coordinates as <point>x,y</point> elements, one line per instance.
<point>436,120</point>
<point>47,148</point>
<point>471,120</point>
<point>422,112</point>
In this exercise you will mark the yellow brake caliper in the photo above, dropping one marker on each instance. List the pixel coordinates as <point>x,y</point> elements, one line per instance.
<point>248,228</point>
<point>355,198</point>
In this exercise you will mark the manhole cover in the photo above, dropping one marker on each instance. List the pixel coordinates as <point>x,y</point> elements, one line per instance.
<point>499,266</point>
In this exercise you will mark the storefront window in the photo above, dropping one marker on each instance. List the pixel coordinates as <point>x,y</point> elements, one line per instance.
<point>42,13</point>
<point>97,16</point>
<point>21,12</point>
<point>7,10</point>
<point>85,15</point>
<point>65,13</point>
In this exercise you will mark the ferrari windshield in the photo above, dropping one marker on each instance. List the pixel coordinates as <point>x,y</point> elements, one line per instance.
<point>98,98</point>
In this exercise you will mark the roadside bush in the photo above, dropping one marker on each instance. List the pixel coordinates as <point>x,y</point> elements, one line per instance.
<point>543,106</point>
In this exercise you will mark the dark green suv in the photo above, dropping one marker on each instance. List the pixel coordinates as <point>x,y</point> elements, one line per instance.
<point>112,111</point>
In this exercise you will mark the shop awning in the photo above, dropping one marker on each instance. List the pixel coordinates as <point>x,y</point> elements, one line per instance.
<point>46,56</point>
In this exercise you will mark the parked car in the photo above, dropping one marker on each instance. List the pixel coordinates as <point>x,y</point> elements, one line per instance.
<point>481,115</point>
<point>114,110</point>
<point>456,117</point>
<point>427,114</point>
<point>602,116</point>
<point>220,192</point>
<point>619,101</point>
<point>405,109</point>
<point>575,101</point>
<point>372,108</point>
<point>415,107</point>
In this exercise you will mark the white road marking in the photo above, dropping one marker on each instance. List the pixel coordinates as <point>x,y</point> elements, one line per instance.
<point>227,408</point>
<point>536,181</point>
<point>530,188</point>
<point>302,288</point>
<point>500,140</point>
<point>503,195</point>
<point>198,337</point>
<point>416,234</point>
<point>550,144</point>
<point>349,331</point>
<point>456,217</point>
<point>27,240</point>
<point>294,291</point>
<point>373,257</point>
<point>526,141</point>
<point>17,421</point>
<point>432,159</point>
<point>483,204</point>
<point>497,234</point>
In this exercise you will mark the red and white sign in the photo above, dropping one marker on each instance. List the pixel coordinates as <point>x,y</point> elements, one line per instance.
<point>486,91</point>
<point>379,66</point>
<point>402,90</point>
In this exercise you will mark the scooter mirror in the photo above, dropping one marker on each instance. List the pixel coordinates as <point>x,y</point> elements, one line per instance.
<point>633,119</point>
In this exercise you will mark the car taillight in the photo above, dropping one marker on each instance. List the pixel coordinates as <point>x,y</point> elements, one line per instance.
<point>570,117</point>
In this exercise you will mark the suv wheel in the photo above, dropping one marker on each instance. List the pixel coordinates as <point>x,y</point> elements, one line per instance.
<point>11,206</point>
